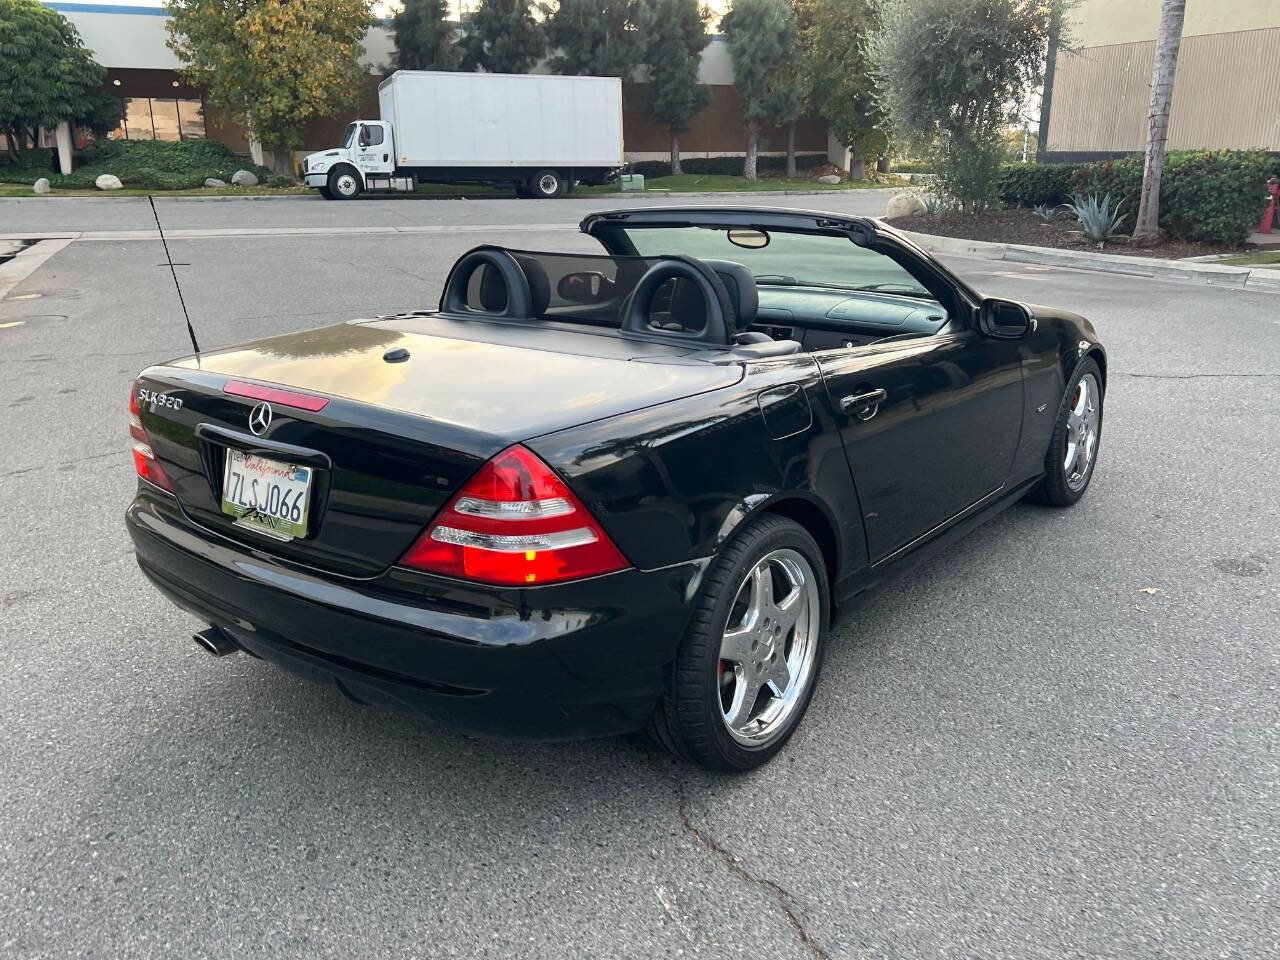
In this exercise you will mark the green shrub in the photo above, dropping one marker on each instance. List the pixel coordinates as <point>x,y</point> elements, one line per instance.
<point>1215,196</point>
<point>913,166</point>
<point>1036,184</point>
<point>970,175</point>
<point>32,158</point>
<point>147,164</point>
<point>1122,178</point>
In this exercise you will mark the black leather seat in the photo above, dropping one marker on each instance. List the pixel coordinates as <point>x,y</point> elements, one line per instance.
<point>539,283</point>
<point>741,284</point>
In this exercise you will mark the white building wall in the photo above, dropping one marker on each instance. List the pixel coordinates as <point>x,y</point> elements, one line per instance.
<point>129,36</point>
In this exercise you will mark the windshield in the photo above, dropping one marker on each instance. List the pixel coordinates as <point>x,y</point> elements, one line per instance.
<point>784,259</point>
<point>348,137</point>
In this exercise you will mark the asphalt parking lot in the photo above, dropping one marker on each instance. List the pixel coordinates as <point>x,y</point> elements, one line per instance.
<point>1060,738</point>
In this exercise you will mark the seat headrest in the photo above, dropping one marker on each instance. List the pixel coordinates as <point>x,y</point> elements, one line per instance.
<point>741,284</point>
<point>539,283</point>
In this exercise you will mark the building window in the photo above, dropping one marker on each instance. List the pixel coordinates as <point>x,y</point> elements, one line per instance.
<point>191,119</point>
<point>137,119</point>
<point>154,118</point>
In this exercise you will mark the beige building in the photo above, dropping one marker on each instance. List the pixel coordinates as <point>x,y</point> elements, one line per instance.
<point>1226,95</point>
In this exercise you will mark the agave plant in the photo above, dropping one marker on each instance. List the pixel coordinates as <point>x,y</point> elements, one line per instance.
<point>1098,220</point>
<point>935,205</point>
<point>1044,211</point>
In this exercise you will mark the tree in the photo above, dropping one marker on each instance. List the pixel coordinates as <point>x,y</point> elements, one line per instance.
<point>761,36</point>
<point>677,37</point>
<point>783,104</point>
<point>1147,227</point>
<point>837,73</point>
<point>47,76</point>
<point>952,74</point>
<point>597,38</point>
<point>424,36</point>
<point>503,37</point>
<point>273,65</point>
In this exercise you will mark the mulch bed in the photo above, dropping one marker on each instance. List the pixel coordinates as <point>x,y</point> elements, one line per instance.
<point>1023,226</point>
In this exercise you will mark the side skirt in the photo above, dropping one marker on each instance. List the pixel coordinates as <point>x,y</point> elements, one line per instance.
<point>861,585</point>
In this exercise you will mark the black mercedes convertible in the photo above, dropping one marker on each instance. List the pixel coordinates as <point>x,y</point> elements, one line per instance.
<point>601,493</point>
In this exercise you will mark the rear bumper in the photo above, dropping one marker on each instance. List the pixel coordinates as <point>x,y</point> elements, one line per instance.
<point>558,662</point>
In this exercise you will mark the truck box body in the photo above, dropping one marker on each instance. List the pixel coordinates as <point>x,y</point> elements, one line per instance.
<point>503,120</point>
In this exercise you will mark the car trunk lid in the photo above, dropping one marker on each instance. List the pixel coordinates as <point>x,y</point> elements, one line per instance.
<point>395,436</point>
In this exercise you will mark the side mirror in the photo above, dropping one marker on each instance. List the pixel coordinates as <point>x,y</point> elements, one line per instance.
<point>586,286</point>
<point>1005,318</point>
<point>364,136</point>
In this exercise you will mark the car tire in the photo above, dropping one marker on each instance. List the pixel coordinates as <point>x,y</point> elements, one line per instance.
<point>1073,449</point>
<point>728,650</point>
<point>344,184</point>
<point>546,185</point>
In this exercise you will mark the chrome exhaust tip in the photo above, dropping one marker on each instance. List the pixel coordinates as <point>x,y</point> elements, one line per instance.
<point>215,642</point>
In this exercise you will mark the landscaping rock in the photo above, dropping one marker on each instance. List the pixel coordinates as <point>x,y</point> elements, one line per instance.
<point>214,182</point>
<point>829,178</point>
<point>41,185</point>
<point>108,181</point>
<point>905,205</point>
<point>243,178</point>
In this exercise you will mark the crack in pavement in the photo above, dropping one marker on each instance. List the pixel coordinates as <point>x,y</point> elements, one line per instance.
<point>1188,376</point>
<point>65,464</point>
<point>786,899</point>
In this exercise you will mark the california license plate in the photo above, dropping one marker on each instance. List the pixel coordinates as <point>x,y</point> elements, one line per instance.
<point>266,495</point>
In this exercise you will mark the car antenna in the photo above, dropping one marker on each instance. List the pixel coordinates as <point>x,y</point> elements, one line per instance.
<point>177,286</point>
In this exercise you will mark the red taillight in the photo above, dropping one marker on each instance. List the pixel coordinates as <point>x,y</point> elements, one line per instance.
<point>144,458</point>
<point>515,523</point>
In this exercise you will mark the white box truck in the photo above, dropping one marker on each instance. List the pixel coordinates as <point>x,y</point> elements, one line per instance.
<point>537,133</point>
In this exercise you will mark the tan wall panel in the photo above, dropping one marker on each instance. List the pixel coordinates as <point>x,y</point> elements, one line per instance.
<point>1102,22</point>
<point>1225,95</point>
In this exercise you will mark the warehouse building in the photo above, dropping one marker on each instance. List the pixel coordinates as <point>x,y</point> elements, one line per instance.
<point>1226,94</point>
<point>129,40</point>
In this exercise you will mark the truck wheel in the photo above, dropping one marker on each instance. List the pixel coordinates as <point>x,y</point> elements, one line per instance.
<point>344,184</point>
<point>547,184</point>
<point>324,192</point>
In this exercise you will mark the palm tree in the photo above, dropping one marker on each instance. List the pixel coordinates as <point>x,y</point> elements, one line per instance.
<point>1147,227</point>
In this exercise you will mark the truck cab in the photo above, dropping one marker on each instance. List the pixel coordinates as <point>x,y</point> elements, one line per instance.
<point>365,160</point>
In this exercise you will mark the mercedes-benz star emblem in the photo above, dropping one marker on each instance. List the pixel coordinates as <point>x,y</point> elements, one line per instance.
<point>260,419</point>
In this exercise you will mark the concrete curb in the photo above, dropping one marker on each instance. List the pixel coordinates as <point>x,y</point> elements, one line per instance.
<point>1245,278</point>
<point>27,262</point>
<point>313,196</point>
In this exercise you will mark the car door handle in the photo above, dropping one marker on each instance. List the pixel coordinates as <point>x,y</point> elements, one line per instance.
<point>860,401</point>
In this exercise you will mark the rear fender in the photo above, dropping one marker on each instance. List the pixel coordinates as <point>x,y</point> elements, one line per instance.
<point>673,482</point>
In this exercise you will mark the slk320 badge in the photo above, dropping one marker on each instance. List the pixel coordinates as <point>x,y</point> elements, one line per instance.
<point>157,400</point>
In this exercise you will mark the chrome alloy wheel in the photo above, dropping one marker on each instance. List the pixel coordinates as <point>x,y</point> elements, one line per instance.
<point>769,645</point>
<point>1082,431</point>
